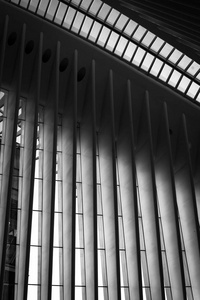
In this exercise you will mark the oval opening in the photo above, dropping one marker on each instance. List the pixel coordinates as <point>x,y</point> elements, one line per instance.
<point>81,74</point>
<point>63,64</point>
<point>29,47</point>
<point>46,55</point>
<point>12,38</point>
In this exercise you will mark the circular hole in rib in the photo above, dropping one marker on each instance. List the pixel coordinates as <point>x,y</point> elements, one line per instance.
<point>29,47</point>
<point>12,38</point>
<point>46,55</point>
<point>63,64</point>
<point>81,74</point>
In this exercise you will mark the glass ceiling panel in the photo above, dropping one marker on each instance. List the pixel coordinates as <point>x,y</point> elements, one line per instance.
<point>124,37</point>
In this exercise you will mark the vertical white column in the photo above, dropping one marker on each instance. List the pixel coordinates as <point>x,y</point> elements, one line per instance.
<point>127,178</point>
<point>49,173</point>
<point>148,197</point>
<point>168,208</point>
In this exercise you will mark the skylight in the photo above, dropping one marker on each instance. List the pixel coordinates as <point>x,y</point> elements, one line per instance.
<point>103,25</point>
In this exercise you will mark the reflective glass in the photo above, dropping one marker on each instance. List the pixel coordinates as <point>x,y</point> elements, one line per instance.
<point>57,275</point>
<point>60,13</point>
<point>57,236</point>
<point>56,292</point>
<point>155,69</point>
<point>193,90</point>
<point>139,33</point>
<point>166,50</point>
<point>121,22</point>
<point>138,56</point>
<point>174,78</point>
<point>129,51</point>
<point>130,27</point>
<point>147,62</point>
<point>85,4</point>
<point>34,265</point>
<point>184,84</point>
<point>112,17</point>
<point>103,36</point>
<point>33,292</point>
<point>175,56</point>
<point>80,293</point>
<point>95,31</point>
<point>157,44</point>
<point>184,62</point>
<point>148,38</point>
<point>121,46</point>
<point>112,41</point>
<point>77,22</point>
<point>103,13</point>
<point>52,9</point>
<point>69,17</point>
<point>79,267</point>
<point>36,232</point>
<point>166,71</point>
<point>86,27</point>
<point>95,7</point>
<point>193,68</point>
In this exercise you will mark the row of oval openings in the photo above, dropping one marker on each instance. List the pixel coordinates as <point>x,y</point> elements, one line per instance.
<point>46,55</point>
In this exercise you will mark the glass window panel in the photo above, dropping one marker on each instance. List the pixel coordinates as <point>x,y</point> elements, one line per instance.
<point>145,276</point>
<point>193,68</point>
<point>102,293</point>
<point>79,207</point>
<point>129,51</point>
<point>121,233</point>
<point>198,98</point>
<point>168,294</point>
<point>33,5</point>
<point>56,292</point>
<point>37,194</point>
<point>121,22</point>
<point>161,236</point>
<point>69,17</point>
<point>147,62</point>
<point>86,27</point>
<point>100,232</point>
<point>33,292</point>
<point>36,228</point>
<point>119,201</point>
<point>121,46</point>
<point>174,78</point>
<point>77,22</point>
<point>157,44</point>
<point>52,9</point>
<point>99,202</point>
<point>174,57</point>
<point>79,293</point>
<point>184,62</point>
<point>79,231</point>
<point>98,170</point>
<point>34,269</point>
<point>125,294</point>
<point>103,13</point>
<point>146,293</point>
<point>123,269</point>
<point>95,6</point>
<point>156,67</point>
<point>24,3</point>
<point>57,267</point>
<point>42,7</point>
<point>165,269</point>
<point>138,56</point>
<point>15,1</point>
<point>58,197</point>
<point>139,33</point>
<point>112,41</point>
<point>103,36</point>
<point>78,168</point>
<point>95,31</point>
<point>142,244</point>
<point>59,138</point>
<point>186,272</point>
<point>166,50</point>
<point>79,267</point>
<point>184,84</point>
<point>57,237</point>
<point>189,293</point>
<point>60,13</point>
<point>165,72</point>
<point>130,27</point>
<point>193,90</point>
<point>102,277</point>
<point>85,4</point>
<point>113,15</point>
<point>78,150</point>
<point>148,38</point>
<point>138,198</point>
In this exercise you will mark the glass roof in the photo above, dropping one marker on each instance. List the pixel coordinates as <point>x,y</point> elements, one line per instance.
<point>106,27</point>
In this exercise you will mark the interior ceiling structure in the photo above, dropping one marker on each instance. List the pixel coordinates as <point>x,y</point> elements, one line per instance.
<point>119,29</point>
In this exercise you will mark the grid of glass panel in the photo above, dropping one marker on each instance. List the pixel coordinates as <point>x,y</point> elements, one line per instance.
<point>34,274</point>
<point>116,33</point>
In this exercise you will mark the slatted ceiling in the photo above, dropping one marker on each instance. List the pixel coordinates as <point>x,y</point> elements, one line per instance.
<point>76,21</point>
